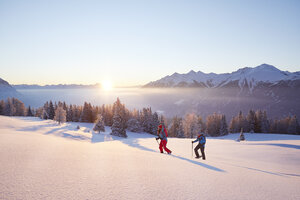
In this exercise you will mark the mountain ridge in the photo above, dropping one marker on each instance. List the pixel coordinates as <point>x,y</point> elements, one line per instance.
<point>252,75</point>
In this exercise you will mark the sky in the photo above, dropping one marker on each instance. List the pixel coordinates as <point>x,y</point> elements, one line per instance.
<point>134,42</point>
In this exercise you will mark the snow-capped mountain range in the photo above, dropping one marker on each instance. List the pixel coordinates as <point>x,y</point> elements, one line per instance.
<point>247,76</point>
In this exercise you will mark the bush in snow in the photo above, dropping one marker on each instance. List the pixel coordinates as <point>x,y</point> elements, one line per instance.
<point>78,127</point>
<point>242,137</point>
<point>60,115</point>
<point>99,125</point>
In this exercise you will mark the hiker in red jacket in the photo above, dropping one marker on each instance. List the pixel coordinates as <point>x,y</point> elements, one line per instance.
<point>162,135</point>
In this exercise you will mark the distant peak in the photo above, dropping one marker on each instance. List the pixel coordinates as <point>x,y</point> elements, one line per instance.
<point>266,66</point>
<point>192,72</point>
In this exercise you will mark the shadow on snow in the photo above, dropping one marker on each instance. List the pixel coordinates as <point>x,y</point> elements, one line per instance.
<point>134,143</point>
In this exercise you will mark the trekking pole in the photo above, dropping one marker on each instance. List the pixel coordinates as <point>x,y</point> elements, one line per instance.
<point>156,141</point>
<point>192,150</point>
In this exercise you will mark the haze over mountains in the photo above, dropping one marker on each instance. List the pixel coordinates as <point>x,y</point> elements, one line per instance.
<point>264,87</point>
<point>58,86</point>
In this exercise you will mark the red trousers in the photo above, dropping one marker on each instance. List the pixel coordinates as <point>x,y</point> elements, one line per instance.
<point>162,145</point>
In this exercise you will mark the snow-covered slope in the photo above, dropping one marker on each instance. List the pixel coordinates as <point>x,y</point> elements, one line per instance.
<point>42,160</point>
<point>246,76</point>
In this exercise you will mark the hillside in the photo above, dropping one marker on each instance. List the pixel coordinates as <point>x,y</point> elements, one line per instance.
<point>41,160</point>
<point>6,90</point>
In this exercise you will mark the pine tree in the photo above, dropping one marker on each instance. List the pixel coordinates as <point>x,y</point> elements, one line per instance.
<point>99,125</point>
<point>60,115</point>
<point>29,112</point>
<point>2,105</point>
<point>292,125</point>
<point>223,126</point>
<point>251,121</point>
<point>258,121</point>
<point>45,113</point>
<point>70,114</point>
<point>232,125</point>
<point>173,127</point>
<point>265,124</point>
<point>118,127</point>
<point>154,123</point>
<point>51,110</point>
<point>87,113</point>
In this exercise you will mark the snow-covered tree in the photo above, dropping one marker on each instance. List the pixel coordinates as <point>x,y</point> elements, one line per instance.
<point>99,125</point>
<point>118,127</point>
<point>134,125</point>
<point>154,123</point>
<point>191,125</point>
<point>60,115</point>
<point>176,128</point>
<point>216,125</point>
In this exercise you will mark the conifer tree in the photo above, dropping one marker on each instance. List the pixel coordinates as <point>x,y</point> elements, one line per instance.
<point>223,126</point>
<point>29,112</point>
<point>251,121</point>
<point>99,125</point>
<point>154,123</point>
<point>134,125</point>
<point>51,112</point>
<point>2,105</point>
<point>118,127</point>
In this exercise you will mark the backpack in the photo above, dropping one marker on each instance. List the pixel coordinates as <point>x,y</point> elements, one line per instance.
<point>202,139</point>
<point>164,129</point>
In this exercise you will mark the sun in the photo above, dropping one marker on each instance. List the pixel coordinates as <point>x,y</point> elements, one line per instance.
<point>106,85</point>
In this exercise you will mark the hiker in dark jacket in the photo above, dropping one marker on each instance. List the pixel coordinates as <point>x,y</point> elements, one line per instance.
<point>201,145</point>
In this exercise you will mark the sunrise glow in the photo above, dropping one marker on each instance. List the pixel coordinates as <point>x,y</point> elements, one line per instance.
<point>106,85</point>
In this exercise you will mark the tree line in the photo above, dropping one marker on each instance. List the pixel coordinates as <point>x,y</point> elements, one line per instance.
<point>120,119</point>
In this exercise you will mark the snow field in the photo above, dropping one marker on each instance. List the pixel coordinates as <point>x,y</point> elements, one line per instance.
<point>42,160</point>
